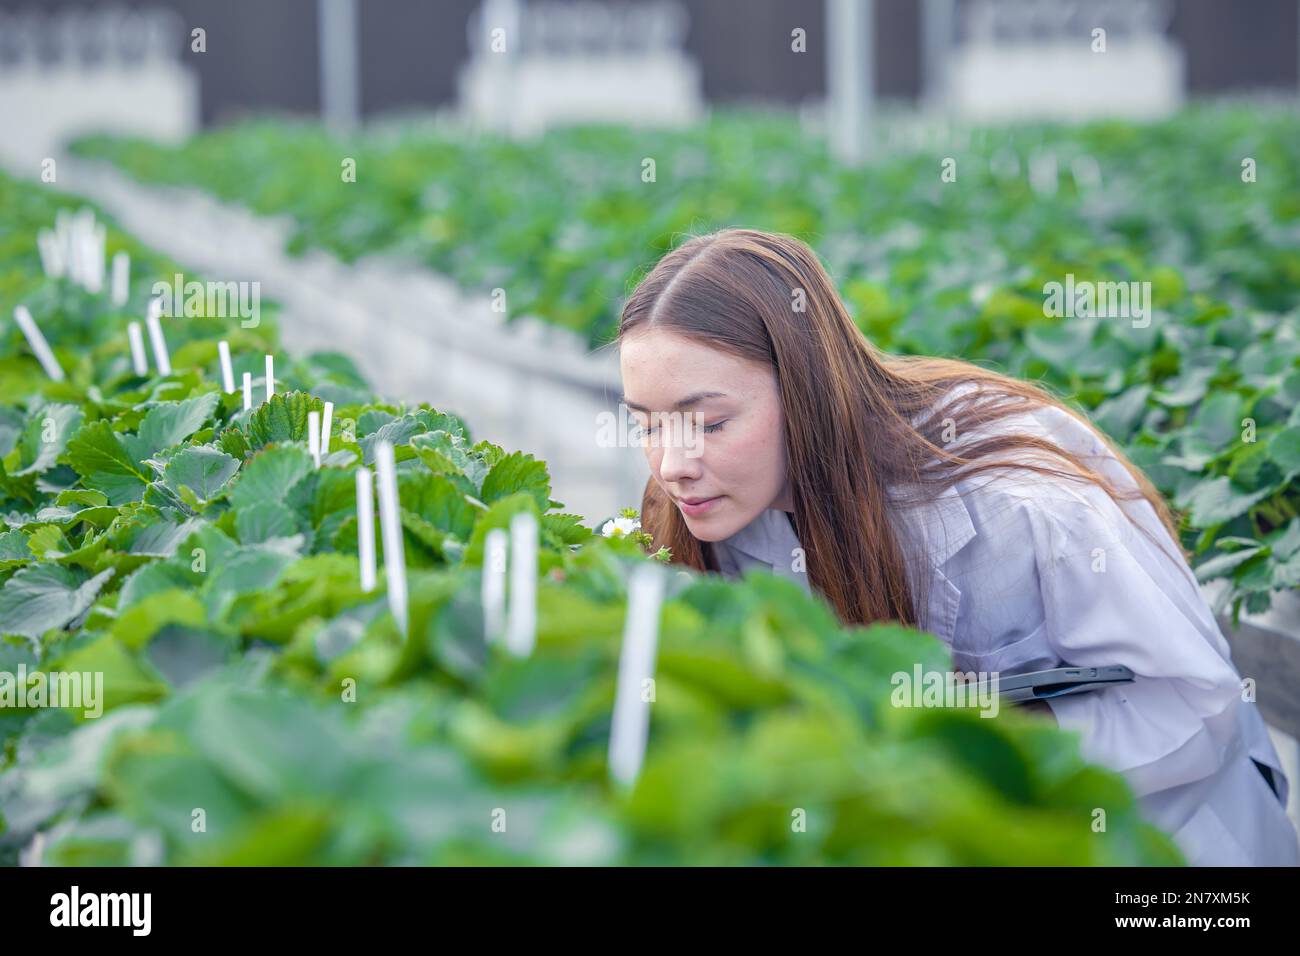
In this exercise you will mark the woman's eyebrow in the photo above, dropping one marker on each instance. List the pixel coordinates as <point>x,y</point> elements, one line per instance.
<point>686,402</point>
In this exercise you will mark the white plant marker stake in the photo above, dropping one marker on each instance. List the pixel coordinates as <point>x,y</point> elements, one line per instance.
<point>73,243</point>
<point>313,436</point>
<point>152,322</point>
<point>248,390</point>
<point>326,421</point>
<point>227,370</point>
<point>139,362</point>
<point>51,249</point>
<point>76,254</point>
<point>636,665</point>
<point>390,527</point>
<point>88,270</point>
<point>366,527</point>
<point>494,583</point>
<point>270,376</point>
<point>32,332</point>
<point>63,238</point>
<point>96,243</point>
<point>521,625</point>
<point>121,278</point>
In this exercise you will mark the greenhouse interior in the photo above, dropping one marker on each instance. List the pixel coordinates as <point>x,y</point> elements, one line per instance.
<point>679,433</point>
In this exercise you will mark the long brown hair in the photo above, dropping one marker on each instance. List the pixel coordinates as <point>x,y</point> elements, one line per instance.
<point>859,423</point>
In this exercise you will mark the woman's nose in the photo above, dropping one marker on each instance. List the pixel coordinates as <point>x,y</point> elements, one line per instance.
<point>680,458</point>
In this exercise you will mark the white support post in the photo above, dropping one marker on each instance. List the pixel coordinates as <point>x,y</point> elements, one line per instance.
<point>850,82</point>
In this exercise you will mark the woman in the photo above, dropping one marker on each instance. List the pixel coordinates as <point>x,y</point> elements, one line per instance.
<point>941,495</point>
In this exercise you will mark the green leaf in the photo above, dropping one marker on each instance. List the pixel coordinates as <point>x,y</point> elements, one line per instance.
<point>438,501</point>
<point>13,549</point>
<point>152,579</point>
<point>1285,449</point>
<point>234,443</point>
<point>1218,419</point>
<point>137,624</point>
<point>490,453</point>
<point>126,679</point>
<point>249,569</point>
<point>98,456</point>
<point>1118,416</point>
<point>561,530</point>
<point>1060,345</point>
<point>263,520</point>
<point>11,427</point>
<point>372,419</point>
<point>498,515</point>
<point>444,453</point>
<point>398,432</point>
<point>1214,502</point>
<point>282,419</point>
<point>57,423</point>
<point>161,538</point>
<point>1286,542</point>
<point>45,539</point>
<point>1186,389</point>
<point>325,494</point>
<point>170,423</point>
<point>202,469</point>
<point>82,496</point>
<point>518,472</point>
<point>1221,564</point>
<point>270,474</point>
<point>44,596</point>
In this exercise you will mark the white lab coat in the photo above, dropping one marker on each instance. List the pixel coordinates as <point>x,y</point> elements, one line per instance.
<point>1021,572</point>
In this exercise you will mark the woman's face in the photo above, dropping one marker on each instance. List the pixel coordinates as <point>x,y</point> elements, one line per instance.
<point>721,475</point>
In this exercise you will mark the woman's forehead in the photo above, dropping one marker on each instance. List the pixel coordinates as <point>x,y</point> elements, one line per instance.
<point>664,362</point>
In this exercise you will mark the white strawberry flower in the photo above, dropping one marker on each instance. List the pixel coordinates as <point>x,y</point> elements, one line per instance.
<point>620,527</point>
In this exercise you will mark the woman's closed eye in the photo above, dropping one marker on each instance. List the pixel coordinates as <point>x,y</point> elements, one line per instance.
<point>707,429</point>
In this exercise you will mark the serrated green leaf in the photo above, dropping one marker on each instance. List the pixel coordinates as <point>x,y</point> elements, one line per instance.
<point>41,597</point>
<point>202,469</point>
<point>397,433</point>
<point>96,453</point>
<point>282,419</point>
<point>13,549</point>
<point>1216,501</point>
<point>444,453</point>
<point>170,423</point>
<point>1224,563</point>
<point>45,437</point>
<point>1285,449</point>
<point>518,472</point>
<point>263,520</point>
<point>270,474</point>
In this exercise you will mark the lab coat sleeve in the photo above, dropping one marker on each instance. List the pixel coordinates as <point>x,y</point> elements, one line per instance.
<point>1112,596</point>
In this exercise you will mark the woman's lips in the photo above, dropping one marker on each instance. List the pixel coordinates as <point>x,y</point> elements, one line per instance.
<point>695,507</point>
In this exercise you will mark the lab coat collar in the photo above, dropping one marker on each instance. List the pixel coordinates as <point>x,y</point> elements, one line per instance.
<point>932,528</point>
<point>938,525</point>
<point>765,536</point>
